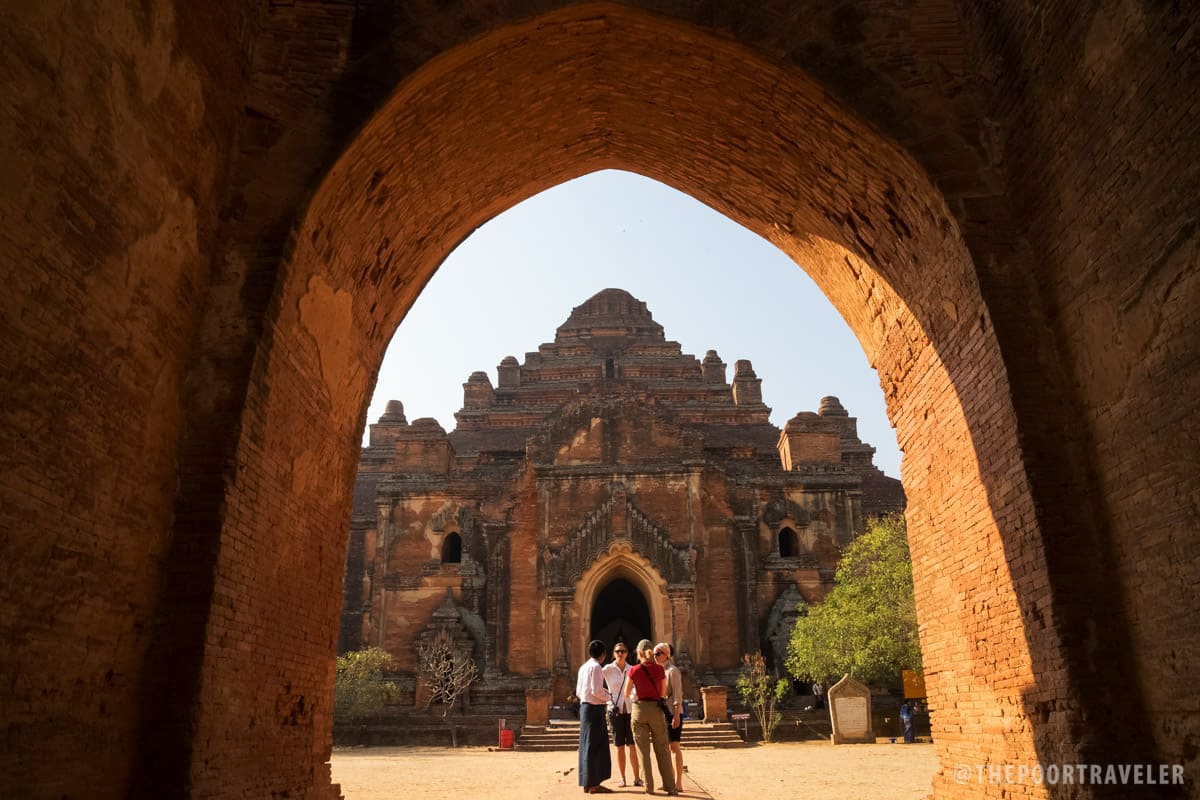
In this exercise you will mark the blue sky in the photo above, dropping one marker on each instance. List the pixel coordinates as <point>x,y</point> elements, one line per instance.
<point>711,284</point>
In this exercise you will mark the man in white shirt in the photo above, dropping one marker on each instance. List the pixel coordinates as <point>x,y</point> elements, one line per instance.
<point>595,763</point>
<point>619,712</point>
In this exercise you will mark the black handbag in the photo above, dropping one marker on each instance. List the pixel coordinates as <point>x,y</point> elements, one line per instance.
<point>614,711</point>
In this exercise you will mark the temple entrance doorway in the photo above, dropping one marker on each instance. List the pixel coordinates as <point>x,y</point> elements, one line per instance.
<point>620,613</point>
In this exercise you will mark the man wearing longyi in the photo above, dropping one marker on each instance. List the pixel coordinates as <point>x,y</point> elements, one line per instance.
<point>595,763</point>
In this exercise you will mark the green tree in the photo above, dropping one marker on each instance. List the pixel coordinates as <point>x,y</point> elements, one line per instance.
<point>867,625</point>
<point>359,689</point>
<point>760,692</point>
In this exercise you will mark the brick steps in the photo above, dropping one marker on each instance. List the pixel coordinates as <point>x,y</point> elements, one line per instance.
<point>563,735</point>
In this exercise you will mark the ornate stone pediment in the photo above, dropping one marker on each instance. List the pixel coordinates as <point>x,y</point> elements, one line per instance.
<point>618,520</point>
<point>781,508</point>
<point>455,515</point>
<point>456,624</point>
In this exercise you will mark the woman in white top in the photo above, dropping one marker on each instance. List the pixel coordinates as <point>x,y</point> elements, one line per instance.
<point>664,654</point>
<point>619,713</point>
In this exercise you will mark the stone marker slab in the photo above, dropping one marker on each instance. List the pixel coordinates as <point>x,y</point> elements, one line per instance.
<point>850,712</point>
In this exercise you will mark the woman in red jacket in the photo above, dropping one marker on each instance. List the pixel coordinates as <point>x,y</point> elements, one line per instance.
<point>649,681</point>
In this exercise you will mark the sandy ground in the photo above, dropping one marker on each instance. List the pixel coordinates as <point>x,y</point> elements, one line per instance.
<point>812,770</point>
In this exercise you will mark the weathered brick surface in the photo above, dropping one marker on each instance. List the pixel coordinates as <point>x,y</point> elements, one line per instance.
<point>1099,171</point>
<point>1000,200</point>
<point>116,123</point>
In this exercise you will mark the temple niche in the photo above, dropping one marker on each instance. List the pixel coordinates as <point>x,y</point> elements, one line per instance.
<point>612,487</point>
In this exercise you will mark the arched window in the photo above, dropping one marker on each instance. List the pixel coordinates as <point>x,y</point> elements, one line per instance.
<point>452,549</point>
<point>789,545</point>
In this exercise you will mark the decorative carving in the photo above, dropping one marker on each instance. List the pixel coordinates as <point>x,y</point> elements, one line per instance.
<point>802,561</point>
<point>561,665</point>
<point>746,572</point>
<point>394,581</point>
<point>597,533</point>
<point>780,508</point>
<point>454,626</point>
<point>781,620</point>
<point>461,515</point>
<point>496,615</point>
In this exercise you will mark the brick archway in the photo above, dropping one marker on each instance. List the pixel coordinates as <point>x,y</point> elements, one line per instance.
<point>846,203</point>
<point>620,562</point>
<point>215,221</point>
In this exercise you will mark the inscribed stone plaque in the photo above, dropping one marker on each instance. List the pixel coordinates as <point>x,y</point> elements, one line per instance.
<point>852,715</point>
<point>850,712</point>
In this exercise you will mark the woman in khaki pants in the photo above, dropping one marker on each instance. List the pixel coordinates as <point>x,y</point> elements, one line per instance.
<point>649,680</point>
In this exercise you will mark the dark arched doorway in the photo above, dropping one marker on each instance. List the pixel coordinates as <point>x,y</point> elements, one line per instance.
<point>620,614</point>
<point>452,549</point>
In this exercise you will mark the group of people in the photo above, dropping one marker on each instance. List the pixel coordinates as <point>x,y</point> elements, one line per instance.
<point>643,702</point>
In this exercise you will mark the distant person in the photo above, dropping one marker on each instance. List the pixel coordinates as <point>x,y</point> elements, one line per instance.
<point>620,712</point>
<point>906,719</point>
<point>649,725</point>
<point>818,695</point>
<point>664,654</point>
<point>595,763</point>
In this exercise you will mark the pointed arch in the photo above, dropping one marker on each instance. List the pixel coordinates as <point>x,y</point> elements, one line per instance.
<point>759,142</point>
<point>452,548</point>
<point>788,543</point>
<point>620,561</point>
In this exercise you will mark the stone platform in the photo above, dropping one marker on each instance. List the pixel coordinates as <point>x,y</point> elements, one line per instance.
<point>563,735</point>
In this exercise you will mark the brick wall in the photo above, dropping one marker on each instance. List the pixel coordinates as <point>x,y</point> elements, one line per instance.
<point>117,130</point>
<point>1103,119</point>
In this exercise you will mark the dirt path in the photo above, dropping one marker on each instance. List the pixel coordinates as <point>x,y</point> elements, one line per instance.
<point>813,770</point>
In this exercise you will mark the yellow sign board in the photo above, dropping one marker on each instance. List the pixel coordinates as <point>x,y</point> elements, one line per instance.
<point>914,683</point>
